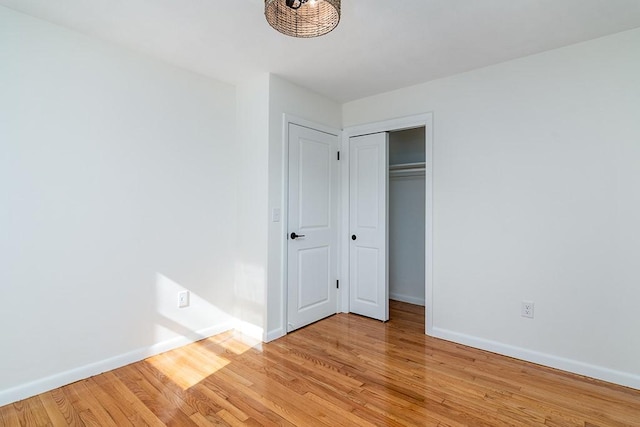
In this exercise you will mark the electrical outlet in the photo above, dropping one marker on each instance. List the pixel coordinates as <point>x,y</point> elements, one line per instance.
<point>183,299</point>
<point>527,309</point>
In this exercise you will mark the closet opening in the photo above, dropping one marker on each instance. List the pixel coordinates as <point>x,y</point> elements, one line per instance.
<point>406,221</point>
<point>387,213</point>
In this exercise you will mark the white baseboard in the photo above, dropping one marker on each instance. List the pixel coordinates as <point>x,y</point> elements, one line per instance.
<point>33,388</point>
<point>406,298</point>
<point>274,334</point>
<point>249,329</point>
<point>598,372</point>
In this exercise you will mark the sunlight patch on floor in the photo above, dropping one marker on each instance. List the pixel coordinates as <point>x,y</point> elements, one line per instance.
<point>187,367</point>
<point>190,365</point>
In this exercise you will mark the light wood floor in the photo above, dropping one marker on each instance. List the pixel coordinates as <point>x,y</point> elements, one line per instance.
<point>345,370</point>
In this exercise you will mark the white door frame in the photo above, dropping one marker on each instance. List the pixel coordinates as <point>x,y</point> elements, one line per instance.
<point>410,122</point>
<point>288,119</point>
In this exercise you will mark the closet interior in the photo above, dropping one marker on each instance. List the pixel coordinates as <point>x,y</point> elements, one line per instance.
<point>406,241</point>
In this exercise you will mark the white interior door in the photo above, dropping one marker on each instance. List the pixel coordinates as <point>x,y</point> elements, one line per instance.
<point>368,184</point>
<point>312,226</point>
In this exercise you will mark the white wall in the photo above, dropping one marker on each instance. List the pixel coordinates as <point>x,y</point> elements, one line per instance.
<point>116,191</point>
<point>536,178</point>
<point>251,164</point>
<point>285,97</point>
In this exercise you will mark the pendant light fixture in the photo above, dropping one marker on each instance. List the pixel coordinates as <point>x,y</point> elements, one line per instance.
<point>303,18</point>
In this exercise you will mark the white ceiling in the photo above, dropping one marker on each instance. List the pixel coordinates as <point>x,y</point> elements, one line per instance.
<point>380,45</point>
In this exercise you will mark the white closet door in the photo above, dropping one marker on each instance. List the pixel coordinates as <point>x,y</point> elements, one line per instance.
<point>369,289</point>
<point>312,236</point>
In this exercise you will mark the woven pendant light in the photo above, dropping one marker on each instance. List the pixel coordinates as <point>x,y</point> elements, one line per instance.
<point>303,18</point>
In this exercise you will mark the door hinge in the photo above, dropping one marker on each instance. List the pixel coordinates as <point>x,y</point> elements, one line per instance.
<point>338,155</point>
<point>337,284</point>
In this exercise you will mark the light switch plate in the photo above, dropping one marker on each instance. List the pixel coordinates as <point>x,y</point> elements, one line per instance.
<point>275,215</point>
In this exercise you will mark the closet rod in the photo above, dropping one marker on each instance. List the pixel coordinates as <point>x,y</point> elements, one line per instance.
<point>407,172</point>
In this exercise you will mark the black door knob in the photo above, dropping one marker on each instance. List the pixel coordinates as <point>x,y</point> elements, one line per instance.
<point>294,236</point>
<point>353,237</point>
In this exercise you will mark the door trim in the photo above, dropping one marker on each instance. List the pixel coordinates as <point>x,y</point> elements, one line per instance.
<point>402,123</point>
<point>288,119</point>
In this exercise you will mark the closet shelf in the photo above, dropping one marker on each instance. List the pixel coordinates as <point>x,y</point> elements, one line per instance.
<point>403,166</point>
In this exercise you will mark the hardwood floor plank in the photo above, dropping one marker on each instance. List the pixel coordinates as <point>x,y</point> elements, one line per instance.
<point>8,416</point>
<point>348,416</point>
<point>31,412</point>
<point>135,410</point>
<point>345,370</point>
<point>53,410</point>
<point>86,402</point>
<point>203,421</point>
<point>191,401</point>
<point>110,404</point>
<point>231,420</point>
<point>276,398</point>
<point>153,399</point>
<point>65,406</point>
